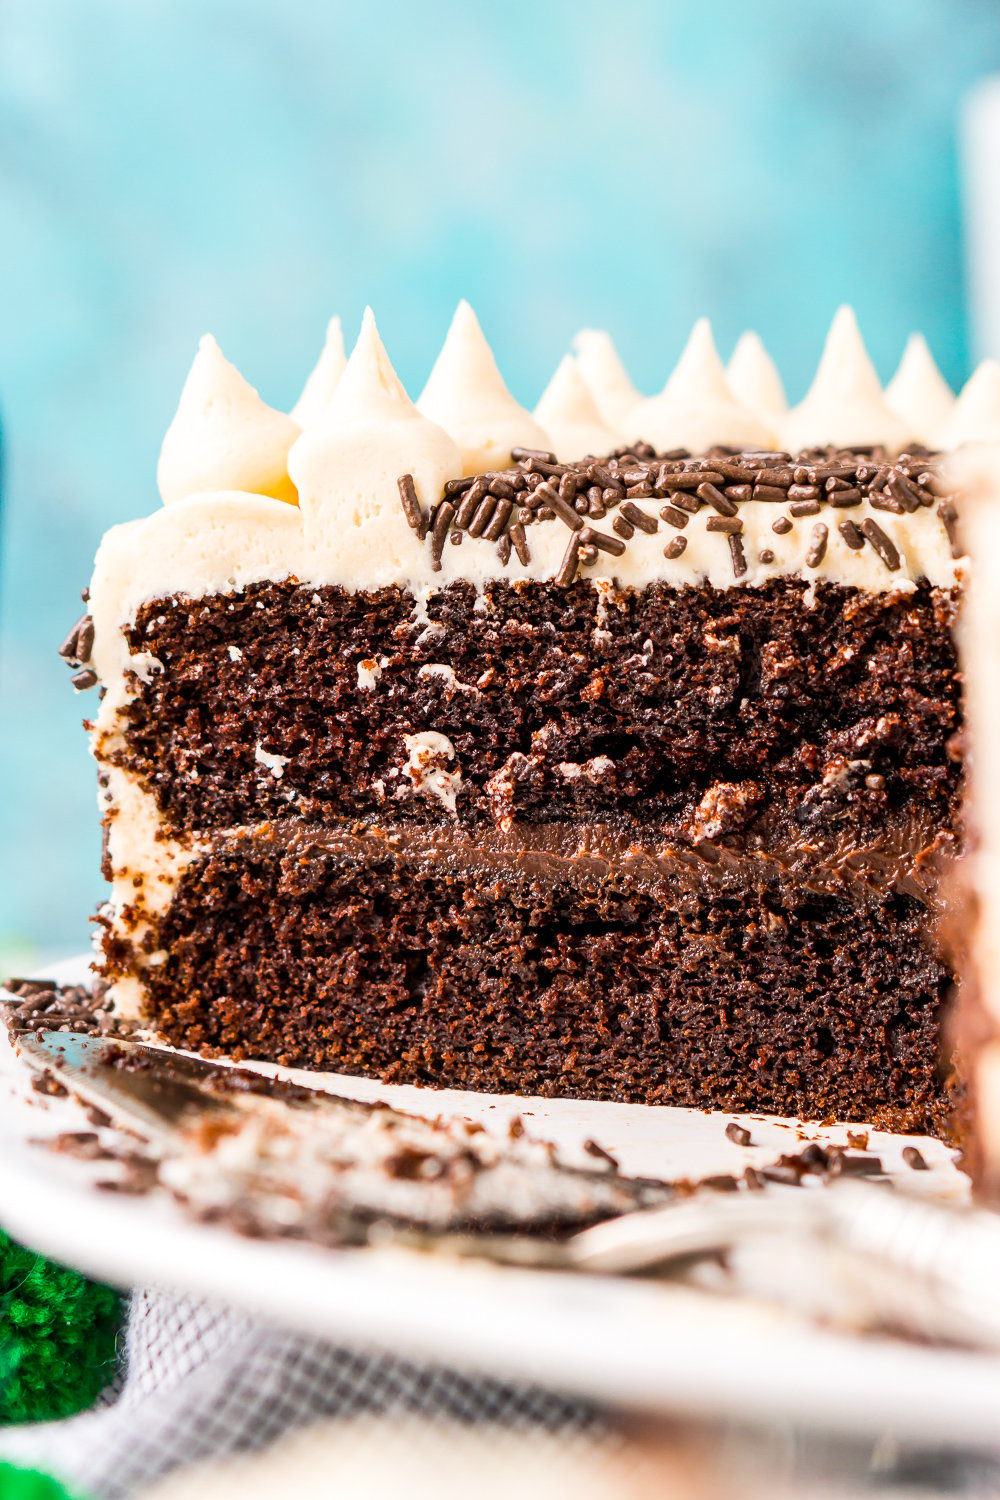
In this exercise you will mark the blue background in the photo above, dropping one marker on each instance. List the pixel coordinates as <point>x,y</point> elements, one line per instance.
<point>251,166</point>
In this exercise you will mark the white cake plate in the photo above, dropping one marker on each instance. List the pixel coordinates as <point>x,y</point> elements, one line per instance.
<point>632,1344</point>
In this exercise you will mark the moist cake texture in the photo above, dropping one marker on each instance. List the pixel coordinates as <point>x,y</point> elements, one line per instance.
<point>434,750</point>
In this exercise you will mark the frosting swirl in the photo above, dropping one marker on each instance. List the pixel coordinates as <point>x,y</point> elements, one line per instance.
<point>918,392</point>
<point>465,394</point>
<point>223,436</point>
<point>322,383</point>
<point>696,408</point>
<point>845,405</point>
<point>569,415</point>
<point>754,380</point>
<point>603,373</point>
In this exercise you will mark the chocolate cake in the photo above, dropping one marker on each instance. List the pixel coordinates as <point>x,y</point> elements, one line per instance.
<point>610,751</point>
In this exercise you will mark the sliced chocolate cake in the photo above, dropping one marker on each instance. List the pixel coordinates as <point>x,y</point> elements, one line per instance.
<point>610,751</point>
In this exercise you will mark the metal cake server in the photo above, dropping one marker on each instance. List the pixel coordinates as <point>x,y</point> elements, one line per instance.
<point>923,1267</point>
<point>156,1101</point>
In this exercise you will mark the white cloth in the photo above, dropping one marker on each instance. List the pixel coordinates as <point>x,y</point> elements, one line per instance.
<point>199,1380</point>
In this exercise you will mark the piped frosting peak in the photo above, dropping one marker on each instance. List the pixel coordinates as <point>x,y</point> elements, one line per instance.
<point>466,395</point>
<point>845,405</point>
<point>569,415</point>
<point>369,390</point>
<point>754,380</point>
<point>223,436</point>
<point>323,381</point>
<point>602,371</point>
<point>918,393</point>
<point>347,466</point>
<point>696,408</point>
<point>975,417</point>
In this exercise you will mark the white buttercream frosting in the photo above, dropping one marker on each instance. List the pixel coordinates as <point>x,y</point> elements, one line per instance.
<point>347,469</point>
<point>322,382</point>
<point>465,394</point>
<point>569,415</point>
<point>975,417</point>
<point>350,529</point>
<point>223,436</point>
<point>918,393</point>
<point>754,380</point>
<point>696,408</point>
<point>845,405</point>
<point>600,365</point>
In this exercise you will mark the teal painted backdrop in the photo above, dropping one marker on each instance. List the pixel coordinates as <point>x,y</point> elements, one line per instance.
<point>251,166</point>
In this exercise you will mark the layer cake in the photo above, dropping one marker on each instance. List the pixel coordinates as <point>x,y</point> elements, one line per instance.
<point>610,751</point>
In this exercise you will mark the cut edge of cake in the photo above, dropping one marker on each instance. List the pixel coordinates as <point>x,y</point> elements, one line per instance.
<point>371,495</point>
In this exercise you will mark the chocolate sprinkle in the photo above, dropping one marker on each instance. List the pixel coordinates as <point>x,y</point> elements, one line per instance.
<point>527,455</point>
<point>570,562</point>
<point>562,508</point>
<point>85,640</point>
<point>716,498</point>
<point>675,547</point>
<point>593,1148</point>
<point>738,555</point>
<point>690,503</point>
<point>77,646</point>
<point>412,508</point>
<point>443,517</point>
<point>84,680</point>
<point>640,518</point>
<point>885,501</point>
<point>915,1159</point>
<point>498,523</point>
<point>538,489</point>
<point>852,536</point>
<point>483,515</point>
<point>674,517</point>
<point>904,491</point>
<point>884,545</point>
<point>842,1165</point>
<point>68,648</point>
<point>738,1134</point>
<point>817,548</point>
<point>520,541</point>
<point>607,543</point>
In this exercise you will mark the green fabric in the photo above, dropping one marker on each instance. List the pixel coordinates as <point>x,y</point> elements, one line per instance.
<point>58,1335</point>
<point>29,1484</point>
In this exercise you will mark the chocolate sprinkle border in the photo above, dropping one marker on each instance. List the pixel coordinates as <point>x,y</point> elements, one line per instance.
<point>500,507</point>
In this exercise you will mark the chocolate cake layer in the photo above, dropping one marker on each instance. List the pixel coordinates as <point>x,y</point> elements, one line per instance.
<point>801,983</point>
<point>753,710</point>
